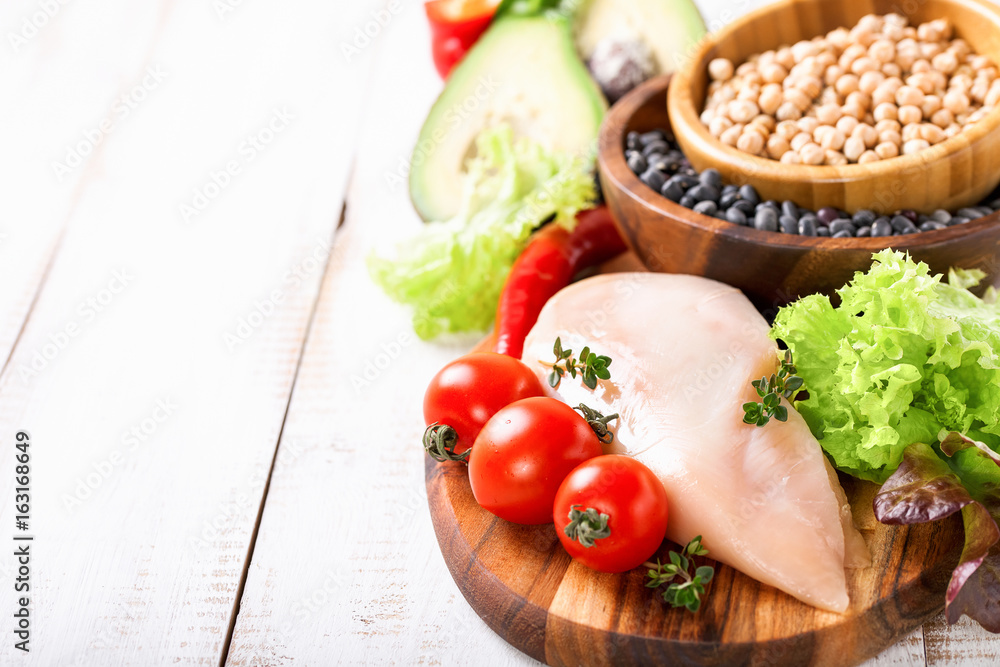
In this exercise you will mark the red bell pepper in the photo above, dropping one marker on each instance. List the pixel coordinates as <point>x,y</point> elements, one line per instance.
<point>551,260</point>
<point>455,27</point>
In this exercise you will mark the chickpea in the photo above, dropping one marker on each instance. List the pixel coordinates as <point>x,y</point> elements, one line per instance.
<point>721,69</point>
<point>812,154</point>
<point>830,96</point>
<point>993,97</point>
<point>860,99</point>
<point>732,135</point>
<point>718,125</point>
<point>885,111</point>
<point>981,63</point>
<point>943,118</point>
<point>742,111</point>
<point>884,94</point>
<point>800,140</point>
<point>746,68</point>
<point>945,61</point>
<point>931,133</point>
<point>828,114</point>
<point>776,146</point>
<point>871,22</point>
<point>865,64</point>
<point>961,48</point>
<point>765,121</point>
<point>799,99</point>
<point>847,84</point>
<point>886,150</point>
<point>928,51</point>
<point>888,126</point>
<point>869,81</point>
<point>787,129</point>
<point>855,110</point>
<point>932,103</point>
<point>980,89</point>
<point>920,65</point>
<point>810,86</point>
<point>892,69</point>
<point>846,124</point>
<point>908,95</point>
<point>866,133</point>
<point>975,116</point>
<point>853,148</point>
<point>908,114</point>
<point>707,116</point>
<point>773,73</point>
<point>788,111</point>
<point>956,102</point>
<point>868,156</point>
<point>925,82</point>
<point>749,93</point>
<point>809,124</point>
<point>832,74</point>
<point>906,56</point>
<point>750,142</point>
<point>890,137</point>
<point>915,145</point>
<point>833,139</point>
<point>882,50</point>
<point>791,157</point>
<point>911,132</point>
<point>835,158</point>
<point>804,49</point>
<point>952,130</point>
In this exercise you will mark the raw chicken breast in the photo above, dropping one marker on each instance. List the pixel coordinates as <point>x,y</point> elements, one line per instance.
<point>684,350</point>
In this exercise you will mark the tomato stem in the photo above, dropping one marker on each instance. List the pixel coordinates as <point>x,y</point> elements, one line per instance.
<point>598,422</point>
<point>440,441</point>
<point>587,526</point>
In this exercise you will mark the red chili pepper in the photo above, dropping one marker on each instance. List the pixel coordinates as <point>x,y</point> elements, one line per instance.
<point>455,27</point>
<point>548,264</point>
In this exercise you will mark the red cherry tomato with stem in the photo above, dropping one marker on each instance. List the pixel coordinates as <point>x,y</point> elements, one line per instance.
<point>631,499</point>
<point>468,391</point>
<point>523,454</point>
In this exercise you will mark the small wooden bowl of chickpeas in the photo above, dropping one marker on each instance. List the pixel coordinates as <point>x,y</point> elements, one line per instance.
<point>854,104</point>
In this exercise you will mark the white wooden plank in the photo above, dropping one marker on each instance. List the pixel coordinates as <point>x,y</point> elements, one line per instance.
<point>964,644</point>
<point>346,568</point>
<point>153,432</point>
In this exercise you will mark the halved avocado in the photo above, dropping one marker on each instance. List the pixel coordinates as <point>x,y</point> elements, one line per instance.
<point>670,28</point>
<point>524,71</point>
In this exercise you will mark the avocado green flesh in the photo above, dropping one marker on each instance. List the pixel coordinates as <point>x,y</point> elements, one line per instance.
<point>525,72</point>
<point>670,28</point>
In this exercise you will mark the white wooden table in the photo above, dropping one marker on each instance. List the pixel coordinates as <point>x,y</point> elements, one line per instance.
<point>224,412</point>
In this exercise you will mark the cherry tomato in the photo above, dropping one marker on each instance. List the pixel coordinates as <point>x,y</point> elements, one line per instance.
<point>633,499</point>
<point>468,391</point>
<point>523,454</point>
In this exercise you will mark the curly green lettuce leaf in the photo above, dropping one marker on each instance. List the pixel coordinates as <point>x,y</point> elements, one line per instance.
<point>902,357</point>
<point>452,272</point>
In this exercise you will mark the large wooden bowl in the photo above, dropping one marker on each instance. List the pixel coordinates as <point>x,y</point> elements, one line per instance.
<point>771,268</point>
<point>955,173</point>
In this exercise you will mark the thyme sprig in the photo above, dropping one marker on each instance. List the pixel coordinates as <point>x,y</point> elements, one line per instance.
<point>688,592</point>
<point>591,367</point>
<point>785,383</point>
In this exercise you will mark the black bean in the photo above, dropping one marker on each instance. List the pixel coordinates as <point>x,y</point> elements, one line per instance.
<point>766,220</point>
<point>749,193</point>
<point>995,204</point>
<point>882,227</point>
<point>841,225</point>
<point>789,225</point>
<point>632,141</point>
<point>864,232</point>
<point>864,218</point>
<point>711,177</point>
<point>941,215</point>
<point>957,220</point>
<point>730,189</point>
<point>823,231</point>
<point>647,138</point>
<point>687,201</point>
<point>985,210</point>
<point>827,214</point>
<point>672,190</point>
<point>843,234</point>
<point>970,213</point>
<point>932,225</point>
<point>728,199</point>
<point>686,180</point>
<point>911,229</point>
<point>706,207</point>
<point>790,209</point>
<point>636,162</point>
<point>807,226</point>
<point>704,192</point>
<point>655,147</point>
<point>736,216</point>
<point>900,222</point>
<point>653,179</point>
<point>747,207</point>
<point>909,214</point>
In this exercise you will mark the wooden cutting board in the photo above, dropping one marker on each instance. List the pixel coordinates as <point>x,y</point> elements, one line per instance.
<point>528,590</point>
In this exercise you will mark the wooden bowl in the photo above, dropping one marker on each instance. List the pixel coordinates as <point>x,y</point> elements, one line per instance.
<point>955,173</point>
<point>771,268</point>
